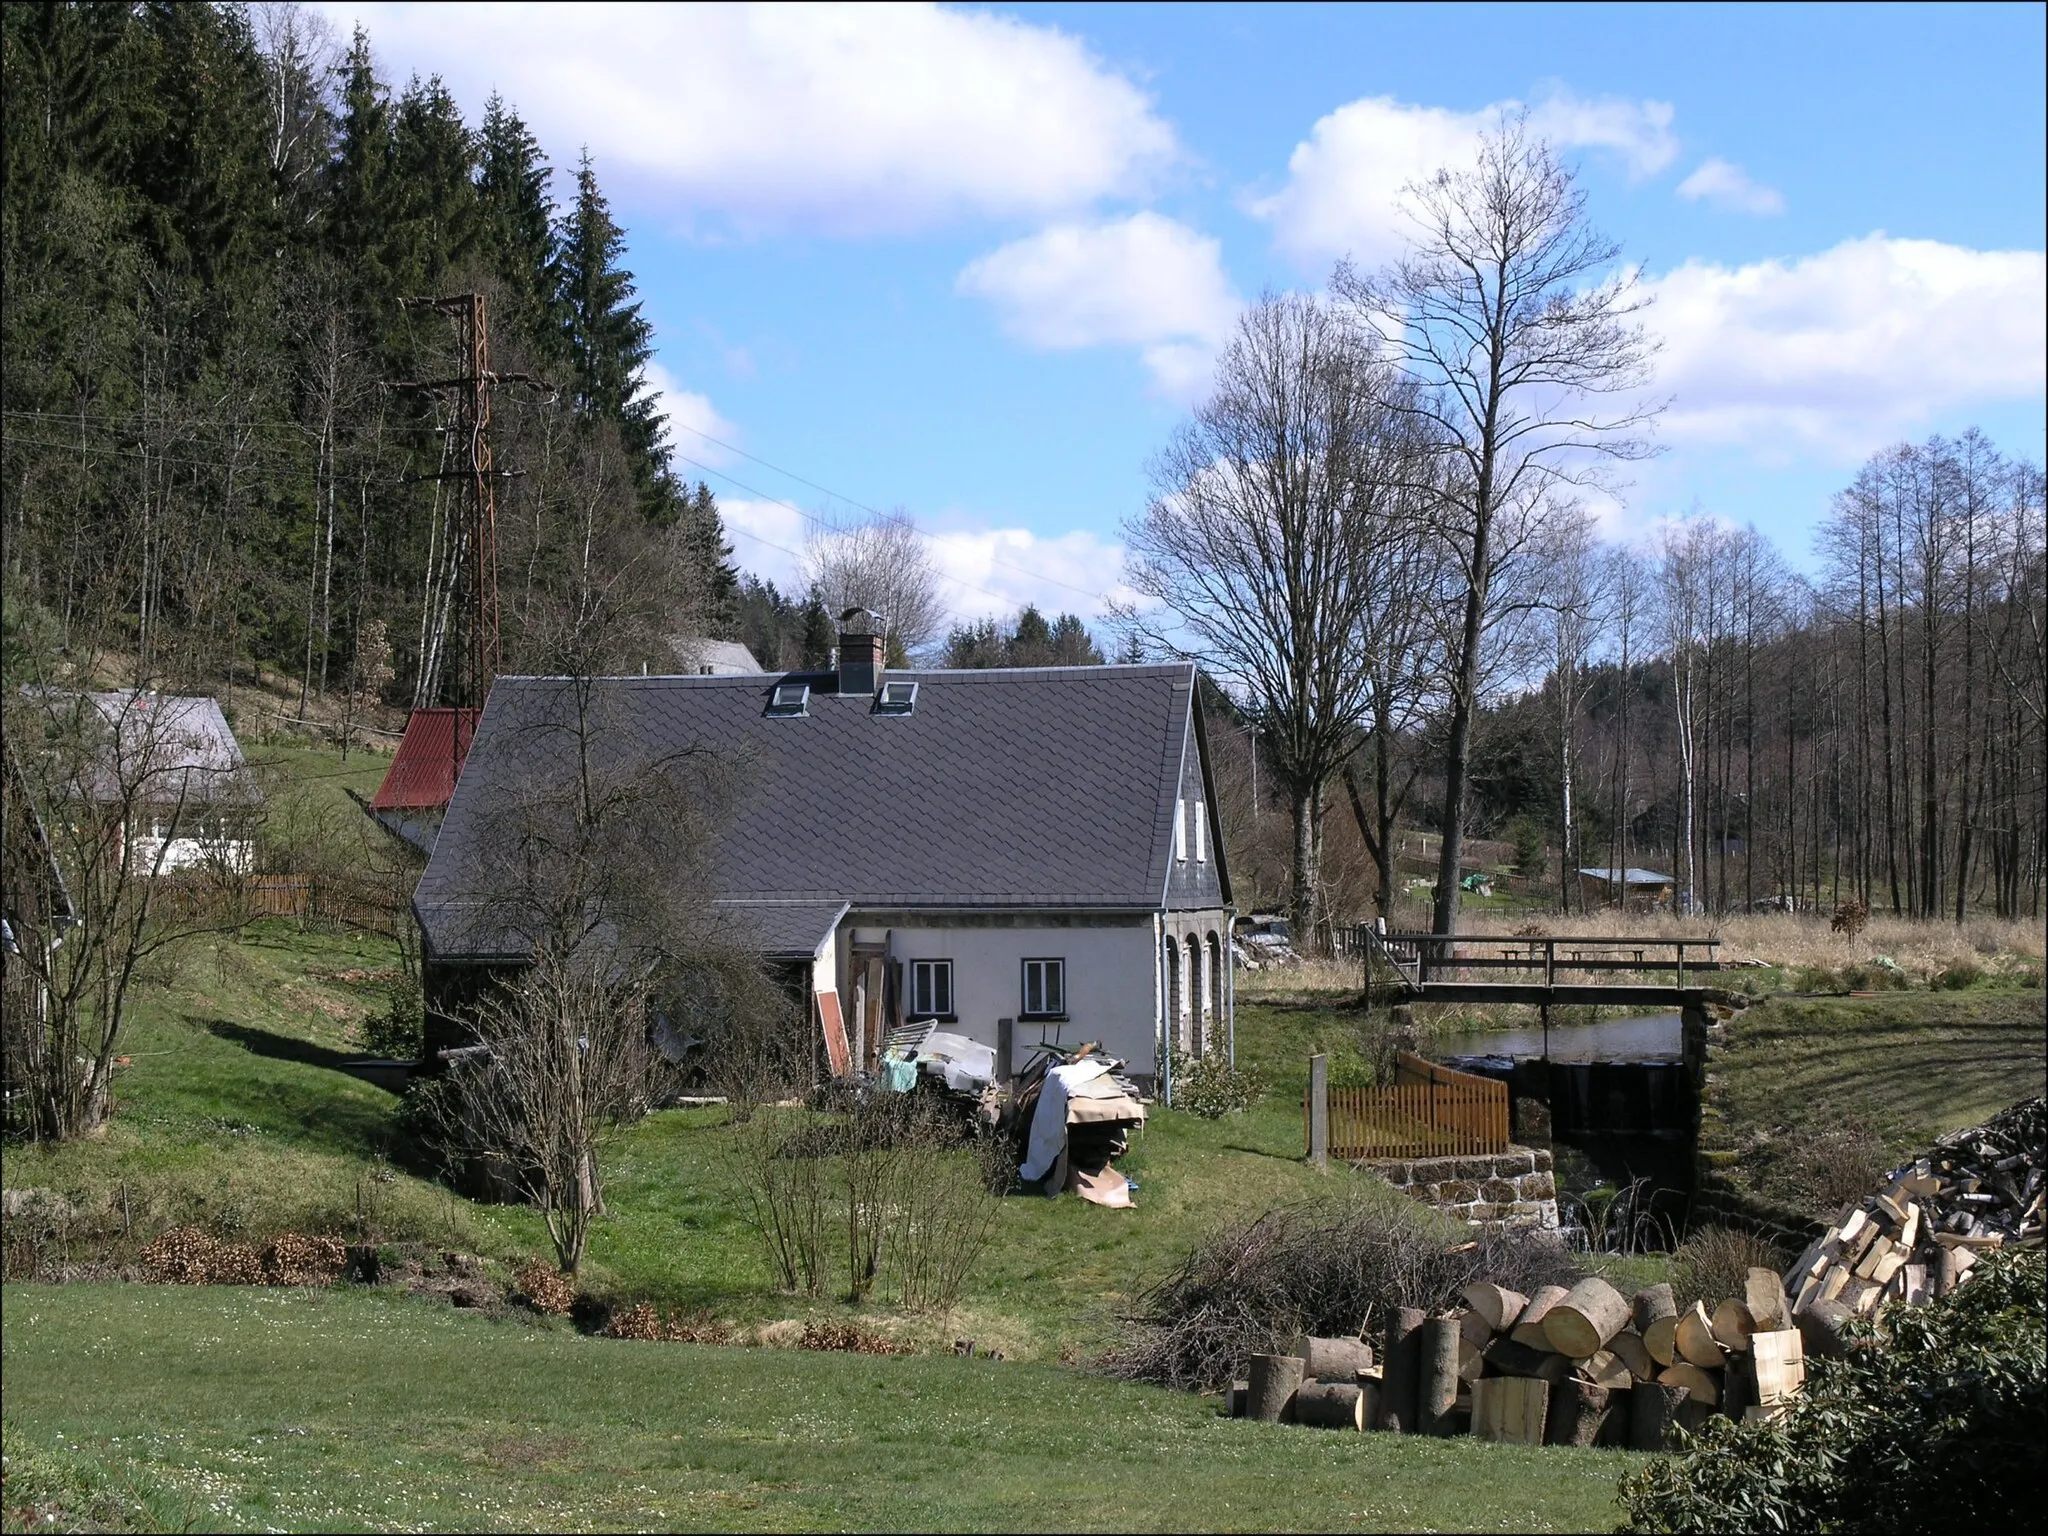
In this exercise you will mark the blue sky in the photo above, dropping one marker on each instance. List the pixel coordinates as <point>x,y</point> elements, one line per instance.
<point>972,262</point>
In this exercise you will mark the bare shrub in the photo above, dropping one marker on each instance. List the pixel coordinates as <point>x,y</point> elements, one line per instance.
<point>292,1258</point>
<point>943,1218</point>
<point>849,1338</point>
<point>787,1200</point>
<point>1824,1169</point>
<point>644,1322</point>
<point>1851,918</point>
<point>1331,1267</point>
<point>1714,1263</point>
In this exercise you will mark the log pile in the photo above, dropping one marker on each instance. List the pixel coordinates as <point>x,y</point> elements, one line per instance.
<point>1918,1236</point>
<point>1579,1365</point>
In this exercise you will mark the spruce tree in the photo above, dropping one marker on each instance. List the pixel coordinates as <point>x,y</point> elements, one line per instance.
<point>438,219</point>
<point>518,218</point>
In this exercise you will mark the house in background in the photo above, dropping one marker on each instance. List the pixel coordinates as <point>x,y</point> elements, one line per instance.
<point>1020,855</point>
<point>713,658</point>
<point>1626,887</point>
<point>173,765</point>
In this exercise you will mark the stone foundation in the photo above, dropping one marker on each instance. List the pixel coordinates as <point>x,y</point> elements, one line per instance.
<point>1515,1187</point>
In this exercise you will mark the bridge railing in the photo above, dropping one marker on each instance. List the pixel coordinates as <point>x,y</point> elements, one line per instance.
<point>1427,1111</point>
<point>1418,958</point>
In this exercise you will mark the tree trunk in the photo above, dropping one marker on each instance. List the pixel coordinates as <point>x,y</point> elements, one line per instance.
<point>1273,1381</point>
<point>1437,1377</point>
<point>1653,1414</point>
<point>1578,1413</point>
<point>1400,1377</point>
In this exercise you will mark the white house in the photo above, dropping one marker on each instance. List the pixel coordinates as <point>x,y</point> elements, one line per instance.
<point>1021,854</point>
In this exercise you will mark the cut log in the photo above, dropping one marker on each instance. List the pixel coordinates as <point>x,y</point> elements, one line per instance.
<point>1577,1415</point>
<point>1780,1364</point>
<point>1504,1357</point>
<point>1591,1314</point>
<point>1695,1339</point>
<point>1474,1327</point>
<point>1615,1432</point>
<point>1693,1415</point>
<point>1764,1294</point>
<point>1330,1405</point>
<point>1820,1328</point>
<point>1471,1360</point>
<point>1510,1409</point>
<point>1233,1400</point>
<point>1651,1303</point>
<point>1701,1383</point>
<point>1333,1359</point>
<point>1955,1263</point>
<point>1437,1380</point>
<point>1653,1415</point>
<point>1399,1382</point>
<point>1270,1387</point>
<point>1738,1386</point>
<point>1732,1325</point>
<point>1661,1340</point>
<point>1528,1327</point>
<point>1369,1401</point>
<point>1496,1303</point>
<point>1606,1369</point>
<point>1629,1349</point>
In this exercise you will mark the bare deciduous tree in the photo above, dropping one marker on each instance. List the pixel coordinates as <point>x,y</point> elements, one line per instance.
<point>884,566</point>
<point>1257,553</point>
<point>1510,317</point>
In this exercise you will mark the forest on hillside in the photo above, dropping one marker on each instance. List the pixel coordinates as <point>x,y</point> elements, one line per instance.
<point>210,217</point>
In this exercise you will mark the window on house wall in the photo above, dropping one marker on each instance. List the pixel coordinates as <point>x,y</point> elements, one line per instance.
<point>1180,830</point>
<point>1201,833</point>
<point>1045,988</point>
<point>931,988</point>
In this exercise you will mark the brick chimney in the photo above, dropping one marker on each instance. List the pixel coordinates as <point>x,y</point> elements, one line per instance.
<point>861,651</point>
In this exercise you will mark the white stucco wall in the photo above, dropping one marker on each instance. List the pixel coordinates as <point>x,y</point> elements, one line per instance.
<point>1112,977</point>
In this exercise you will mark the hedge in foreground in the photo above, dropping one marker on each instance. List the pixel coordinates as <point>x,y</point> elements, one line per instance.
<point>1935,1419</point>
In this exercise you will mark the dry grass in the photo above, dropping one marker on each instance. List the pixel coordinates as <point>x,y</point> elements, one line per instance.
<point>1923,950</point>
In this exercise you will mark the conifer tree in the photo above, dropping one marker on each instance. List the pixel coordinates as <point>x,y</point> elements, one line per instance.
<point>518,217</point>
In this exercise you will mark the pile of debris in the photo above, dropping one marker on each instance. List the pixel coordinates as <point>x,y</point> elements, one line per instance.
<point>1072,1116</point>
<point>1918,1236</point>
<point>1578,1365</point>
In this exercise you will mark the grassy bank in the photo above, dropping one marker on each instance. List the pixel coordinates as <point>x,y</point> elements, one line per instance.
<point>1810,1098</point>
<point>338,1411</point>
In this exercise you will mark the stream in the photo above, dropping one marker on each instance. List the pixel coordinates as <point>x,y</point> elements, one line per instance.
<point>1652,1037</point>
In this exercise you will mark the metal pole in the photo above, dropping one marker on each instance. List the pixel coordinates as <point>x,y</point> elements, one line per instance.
<point>1319,1110</point>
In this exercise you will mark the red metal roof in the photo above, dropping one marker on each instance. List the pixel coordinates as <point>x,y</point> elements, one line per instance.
<point>422,776</point>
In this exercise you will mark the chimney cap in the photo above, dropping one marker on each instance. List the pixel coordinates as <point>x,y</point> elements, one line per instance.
<point>860,621</point>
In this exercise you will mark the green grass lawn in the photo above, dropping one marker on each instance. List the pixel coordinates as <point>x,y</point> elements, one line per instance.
<point>239,1409</point>
<point>1896,1069</point>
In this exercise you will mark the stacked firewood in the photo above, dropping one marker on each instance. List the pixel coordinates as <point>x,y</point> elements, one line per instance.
<point>1920,1234</point>
<point>1577,1365</point>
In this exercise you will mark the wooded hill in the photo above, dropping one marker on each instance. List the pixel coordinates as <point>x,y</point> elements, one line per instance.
<point>209,217</point>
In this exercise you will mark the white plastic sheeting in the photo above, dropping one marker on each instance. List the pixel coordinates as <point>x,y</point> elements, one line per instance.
<point>1049,1120</point>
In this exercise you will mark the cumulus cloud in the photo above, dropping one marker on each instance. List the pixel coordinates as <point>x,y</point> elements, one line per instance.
<point>1728,186</point>
<point>691,417</point>
<point>1850,348</point>
<point>835,118</point>
<point>1145,281</point>
<point>1344,181</point>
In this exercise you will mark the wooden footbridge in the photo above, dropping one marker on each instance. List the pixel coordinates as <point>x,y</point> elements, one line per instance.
<point>1538,970</point>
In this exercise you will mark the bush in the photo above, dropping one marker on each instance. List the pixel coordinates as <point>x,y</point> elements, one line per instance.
<point>399,1033</point>
<point>546,1289</point>
<point>1935,1419</point>
<point>1329,1267</point>
<point>1714,1263</point>
<point>1825,1169</point>
<point>1209,1086</point>
<point>1960,974</point>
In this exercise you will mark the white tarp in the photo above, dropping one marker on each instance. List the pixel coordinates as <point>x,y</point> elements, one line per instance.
<point>1049,1120</point>
<point>965,1064</point>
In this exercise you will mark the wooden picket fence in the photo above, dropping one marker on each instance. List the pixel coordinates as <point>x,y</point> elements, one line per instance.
<point>1427,1111</point>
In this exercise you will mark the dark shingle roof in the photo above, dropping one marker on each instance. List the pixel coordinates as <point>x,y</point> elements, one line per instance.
<point>1043,787</point>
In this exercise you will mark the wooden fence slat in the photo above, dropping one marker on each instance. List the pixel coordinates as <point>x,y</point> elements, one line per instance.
<point>1427,1111</point>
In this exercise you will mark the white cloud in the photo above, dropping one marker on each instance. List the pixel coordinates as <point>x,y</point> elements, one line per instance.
<point>767,538</point>
<point>1728,186</point>
<point>1145,281</point>
<point>691,417</point>
<point>1850,348</point>
<point>992,572</point>
<point>1344,182</point>
<point>836,118</point>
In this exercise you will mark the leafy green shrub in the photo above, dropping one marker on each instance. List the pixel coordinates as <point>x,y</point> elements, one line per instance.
<point>1211,1087</point>
<point>1936,1419</point>
<point>399,1033</point>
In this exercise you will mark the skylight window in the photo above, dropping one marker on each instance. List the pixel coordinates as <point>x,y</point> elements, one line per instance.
<point>896,699</point>
<point>790,699</point>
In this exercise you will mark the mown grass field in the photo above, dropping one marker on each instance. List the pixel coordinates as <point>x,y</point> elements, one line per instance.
<point>219,1408</point>
<point>1894,1070</point>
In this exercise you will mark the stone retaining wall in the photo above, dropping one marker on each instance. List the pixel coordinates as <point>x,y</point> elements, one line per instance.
<point>1515,1187</point>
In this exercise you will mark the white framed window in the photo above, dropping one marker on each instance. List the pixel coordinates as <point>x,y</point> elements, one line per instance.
<point>896,698</point>
<point>1201,833</point>
<point>790,699</point>
<point>931,989</point>
<point>1180,830</point>
<point>1045,988</point>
